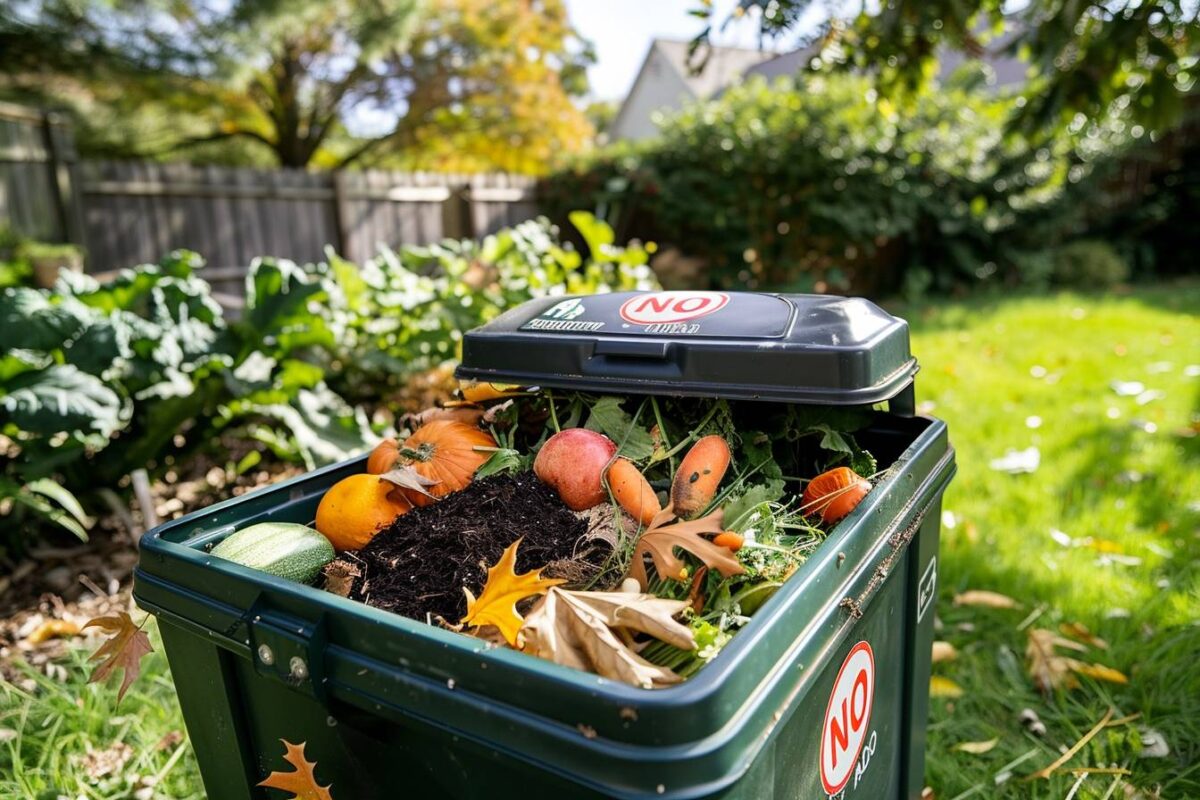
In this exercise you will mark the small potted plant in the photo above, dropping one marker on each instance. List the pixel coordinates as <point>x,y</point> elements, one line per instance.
<point>49,260</point>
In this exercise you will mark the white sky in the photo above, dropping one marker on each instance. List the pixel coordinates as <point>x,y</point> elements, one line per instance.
<point>621,31</point>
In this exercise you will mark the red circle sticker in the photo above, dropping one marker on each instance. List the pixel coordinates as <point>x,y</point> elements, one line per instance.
<point>847,717</point>
<point>663,307</point>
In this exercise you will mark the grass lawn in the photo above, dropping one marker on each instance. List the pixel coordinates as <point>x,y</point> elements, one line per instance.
<point>1105,533</point>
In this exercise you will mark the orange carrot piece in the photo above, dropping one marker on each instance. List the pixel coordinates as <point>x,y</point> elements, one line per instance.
<point>730,539</point>
<point>699,475</point>
<point>632,491</point>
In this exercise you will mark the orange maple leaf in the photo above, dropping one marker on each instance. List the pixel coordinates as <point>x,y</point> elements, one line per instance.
<point>302,783</point>
<point>497,603</point>
<point>124,649</point>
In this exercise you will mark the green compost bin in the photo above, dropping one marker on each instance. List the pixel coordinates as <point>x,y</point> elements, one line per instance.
<point>823,693</point>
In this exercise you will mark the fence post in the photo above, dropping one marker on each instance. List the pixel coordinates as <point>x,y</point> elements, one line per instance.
<point>456,212</point>
<point>340,223</point>
<point>60,182</point>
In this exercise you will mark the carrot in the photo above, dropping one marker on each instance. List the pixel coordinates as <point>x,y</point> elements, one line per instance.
<point>632,491</point>
<point>834,494</point>
<point>699,476</point>
<point>730,539</point>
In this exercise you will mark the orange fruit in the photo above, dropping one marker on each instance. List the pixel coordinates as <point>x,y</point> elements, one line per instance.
<point>354,509</point>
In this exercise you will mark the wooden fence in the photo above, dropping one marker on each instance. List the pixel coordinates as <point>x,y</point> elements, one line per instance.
<point>126,213</point>
<point>37,158</point>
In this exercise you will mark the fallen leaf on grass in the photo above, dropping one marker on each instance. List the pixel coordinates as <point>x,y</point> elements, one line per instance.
<point>125,649</point>
<point>1078,630</point>
<point>944,651</point>
<point>976,748</point>
<point>1099,672</point>
<point>52,629</point>
<point>661,538</point>
<point>1051,670</point>
<point>497,603</point>
<point>591,631</point>
<point>302,782</point>
<point>944,687</point>
<point>110,760</point>
<point>1048,669</point>
<point>982,597</point>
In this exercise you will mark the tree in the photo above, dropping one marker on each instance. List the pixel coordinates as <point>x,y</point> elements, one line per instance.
<point>492,87</point>
<point>304,82</point>
<point>1085,57</point>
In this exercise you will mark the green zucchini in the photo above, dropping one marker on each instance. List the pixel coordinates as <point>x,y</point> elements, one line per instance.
<point>285,549</point>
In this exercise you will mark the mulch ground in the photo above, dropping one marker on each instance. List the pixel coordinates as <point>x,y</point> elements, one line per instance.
<point>54,567</point>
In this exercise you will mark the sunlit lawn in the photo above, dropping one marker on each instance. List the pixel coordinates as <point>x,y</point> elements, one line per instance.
<point>1117,478</point>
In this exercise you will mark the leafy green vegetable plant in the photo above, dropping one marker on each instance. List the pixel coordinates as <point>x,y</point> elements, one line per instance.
<point>141,370</point>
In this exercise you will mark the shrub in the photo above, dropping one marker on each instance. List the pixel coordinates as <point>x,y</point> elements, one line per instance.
<point>819,183</point>
<point>1089,264</point>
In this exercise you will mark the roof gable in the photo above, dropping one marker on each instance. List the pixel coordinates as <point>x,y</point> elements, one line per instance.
<point>725,65</point>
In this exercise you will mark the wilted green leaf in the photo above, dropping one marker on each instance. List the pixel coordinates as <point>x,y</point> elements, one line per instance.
<point>737,510</point>
<point>502,461</point>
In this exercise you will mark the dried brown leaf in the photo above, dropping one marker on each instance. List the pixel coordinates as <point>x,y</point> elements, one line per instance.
<point>302,781</point>
<point>976,748</point>
<point>591,630</point>
<point>984,598</point>
<point>1078,631</point>
<point>340,575</point>
<point>661,538</point>
<point>125,649</point>
<point>408,478</point>
<point>944,651</point>
<point>497,603</point>
<point>1048,669</point>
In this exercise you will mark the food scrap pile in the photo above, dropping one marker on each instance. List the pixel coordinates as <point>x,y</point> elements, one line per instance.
<point>626,536</point>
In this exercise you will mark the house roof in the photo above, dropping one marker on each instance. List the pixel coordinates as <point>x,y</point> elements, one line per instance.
<point>785,63</point>
<point>725,65</point>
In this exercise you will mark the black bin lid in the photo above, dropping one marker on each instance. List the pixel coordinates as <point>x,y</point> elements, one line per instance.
<point>796,348</point>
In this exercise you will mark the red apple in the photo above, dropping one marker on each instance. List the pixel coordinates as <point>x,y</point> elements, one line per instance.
<point>571,462</point>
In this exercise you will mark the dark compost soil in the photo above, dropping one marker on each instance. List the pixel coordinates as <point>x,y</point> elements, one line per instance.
<point>419,565</point>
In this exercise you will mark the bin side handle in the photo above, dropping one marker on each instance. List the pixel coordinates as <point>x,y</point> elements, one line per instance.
<point>288,648</point>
